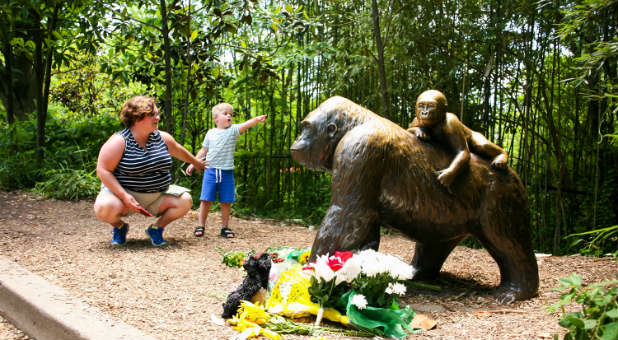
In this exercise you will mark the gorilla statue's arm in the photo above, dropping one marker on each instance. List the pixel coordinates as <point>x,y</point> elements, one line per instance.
<point>351,221</point>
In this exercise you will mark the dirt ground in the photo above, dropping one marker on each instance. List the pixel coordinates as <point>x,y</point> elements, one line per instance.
<point>172,292</point>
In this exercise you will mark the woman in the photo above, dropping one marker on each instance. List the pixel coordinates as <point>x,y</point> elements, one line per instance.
<point>134,166</point>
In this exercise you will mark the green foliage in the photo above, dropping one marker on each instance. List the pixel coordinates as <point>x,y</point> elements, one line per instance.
<point>72,144</point>
<point>598,318</point>
<point>17,165</point>
<point>601,242</point>
<point>326,294</point>
<point>373,289</point>
<point>68,184</point>
<point>235,258</point>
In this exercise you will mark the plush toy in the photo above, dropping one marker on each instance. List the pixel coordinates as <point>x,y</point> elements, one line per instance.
<point>257,268</point>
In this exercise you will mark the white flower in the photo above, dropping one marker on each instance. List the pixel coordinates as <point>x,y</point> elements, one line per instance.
<point>395,288</point>
<point>349,271</point>
<point>398,269</point>
<point>322,270</point>
<point>359,301</point>
<point>371,264</point>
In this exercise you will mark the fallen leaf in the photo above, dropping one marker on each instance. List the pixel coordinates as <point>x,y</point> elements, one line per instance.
<point>423,321</point>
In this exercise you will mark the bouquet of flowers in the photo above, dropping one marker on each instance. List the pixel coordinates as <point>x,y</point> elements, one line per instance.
<point>326,280</point>
<point>364,285</point>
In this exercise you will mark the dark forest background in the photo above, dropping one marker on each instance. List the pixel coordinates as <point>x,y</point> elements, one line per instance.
<point>539,78</point>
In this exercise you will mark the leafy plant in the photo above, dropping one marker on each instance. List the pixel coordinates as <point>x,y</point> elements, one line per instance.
<point>235,258</point>
<point>603,238</point>
<point>598,318</point>
<point>68,184</point>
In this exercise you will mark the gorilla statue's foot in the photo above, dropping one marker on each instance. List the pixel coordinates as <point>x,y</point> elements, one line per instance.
<point>509,293</point>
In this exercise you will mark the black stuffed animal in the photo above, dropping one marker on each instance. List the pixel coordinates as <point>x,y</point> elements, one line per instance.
<point>257,269</point>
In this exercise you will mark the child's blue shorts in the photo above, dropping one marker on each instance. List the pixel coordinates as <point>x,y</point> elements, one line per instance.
<point>218,181</point>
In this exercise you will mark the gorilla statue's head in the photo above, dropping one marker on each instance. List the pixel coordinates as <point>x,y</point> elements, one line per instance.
<point>322,130</point>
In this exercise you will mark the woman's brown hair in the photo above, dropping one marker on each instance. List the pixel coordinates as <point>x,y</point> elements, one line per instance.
<point>137,108</point>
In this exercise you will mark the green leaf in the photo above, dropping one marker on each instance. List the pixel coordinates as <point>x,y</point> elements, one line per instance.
<point>574,320</point>
<point>612,313</point>
<point>193,35</point>
<point>289,8</point>
<point>17,42</point>
<point>590,324</point>
<point>610,331</point>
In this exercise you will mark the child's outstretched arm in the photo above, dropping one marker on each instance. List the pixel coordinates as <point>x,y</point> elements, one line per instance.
<point>251,123</point>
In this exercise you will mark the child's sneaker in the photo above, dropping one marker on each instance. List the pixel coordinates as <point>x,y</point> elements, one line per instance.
<point>156,235</point>
<point>120,235</point>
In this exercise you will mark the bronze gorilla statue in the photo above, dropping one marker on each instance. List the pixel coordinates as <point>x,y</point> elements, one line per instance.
<point>384,175</point>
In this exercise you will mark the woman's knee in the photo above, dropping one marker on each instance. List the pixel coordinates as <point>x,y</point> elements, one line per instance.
<point>105,208</point>
<point>185,202</point>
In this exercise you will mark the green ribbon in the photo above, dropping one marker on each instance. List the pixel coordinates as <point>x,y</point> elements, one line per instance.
<point>389,322</point>
<point>296,253</point>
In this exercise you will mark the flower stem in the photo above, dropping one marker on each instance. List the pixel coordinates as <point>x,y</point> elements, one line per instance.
<point>318,317</point>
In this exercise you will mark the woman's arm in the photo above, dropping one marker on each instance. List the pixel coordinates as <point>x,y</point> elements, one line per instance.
<point>179,151</point>
<point>109,157</point>
<point>200,155</point>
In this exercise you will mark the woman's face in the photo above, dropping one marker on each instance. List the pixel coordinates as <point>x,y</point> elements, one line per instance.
<point>152,120</point>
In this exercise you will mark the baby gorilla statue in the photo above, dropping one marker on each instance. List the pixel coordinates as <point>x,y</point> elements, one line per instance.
<point>432,120</point>
<point>257,269</point>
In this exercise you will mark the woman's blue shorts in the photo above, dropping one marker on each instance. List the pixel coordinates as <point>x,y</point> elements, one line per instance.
<point>218,181</point>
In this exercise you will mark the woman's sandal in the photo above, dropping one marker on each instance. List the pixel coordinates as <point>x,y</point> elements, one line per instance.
<point>227,233</point>
<point>199,231</point>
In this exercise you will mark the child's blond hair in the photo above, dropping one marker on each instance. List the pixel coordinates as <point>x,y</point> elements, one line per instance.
<point>221,108</point>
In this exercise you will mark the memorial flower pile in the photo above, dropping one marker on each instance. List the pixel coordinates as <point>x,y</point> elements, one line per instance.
<point>377,277</point>
<point>357,290</point>
<point>365,286</point>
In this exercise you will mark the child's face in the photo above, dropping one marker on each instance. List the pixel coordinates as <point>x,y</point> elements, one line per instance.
<point>224,119</point>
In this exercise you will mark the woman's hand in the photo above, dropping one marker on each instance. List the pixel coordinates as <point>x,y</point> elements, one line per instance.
<point>130,201</point>
<point>199,166</point>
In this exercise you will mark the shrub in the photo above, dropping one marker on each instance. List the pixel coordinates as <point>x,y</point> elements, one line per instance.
<point>598,318</point>
<point>68,184</point>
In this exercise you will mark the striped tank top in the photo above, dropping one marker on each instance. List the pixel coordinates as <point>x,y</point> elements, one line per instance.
<point>144,170</point>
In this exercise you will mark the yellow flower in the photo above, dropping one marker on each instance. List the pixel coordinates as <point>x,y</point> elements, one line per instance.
<point>248,320</point>
<point>304,257</point>
<point>252,312</point>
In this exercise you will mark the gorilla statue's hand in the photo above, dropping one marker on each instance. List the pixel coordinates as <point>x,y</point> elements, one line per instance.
<point>499,162</point>
<point>446,178</point>
<point>420,133</point>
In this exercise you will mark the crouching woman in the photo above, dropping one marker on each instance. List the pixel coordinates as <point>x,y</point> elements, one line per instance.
<point>134,166</point>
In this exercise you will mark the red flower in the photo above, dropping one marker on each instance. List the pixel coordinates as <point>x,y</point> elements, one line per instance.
<point>344,255</point>
<point>309,266</point>
<point>334,263</point>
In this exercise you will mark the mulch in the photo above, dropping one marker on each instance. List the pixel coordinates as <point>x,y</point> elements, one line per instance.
<point>173,292</point>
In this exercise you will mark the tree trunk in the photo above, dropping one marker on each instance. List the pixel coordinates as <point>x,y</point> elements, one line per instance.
<point>43,76</point>
<point>381,69</point>
<point>38,69</point>
<point>169,118</point>
<point>18,82</point>
<point>7,79</point>
<point>185,111</point>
